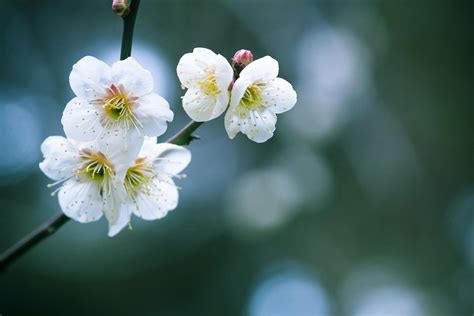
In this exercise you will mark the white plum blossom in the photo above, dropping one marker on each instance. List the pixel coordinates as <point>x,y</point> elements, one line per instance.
<point>91,180</point>
<point>110,163</point>
<point>207,76</point>
<point>256,97</point>
<point>114,102</point>
<point>148,180</point>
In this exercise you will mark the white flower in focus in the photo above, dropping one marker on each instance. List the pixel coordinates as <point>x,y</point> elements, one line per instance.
<point>91,181</point>
<point>148,180</point>
<point>257,96</point>
<point>115,101</point>
<point>207,77</point>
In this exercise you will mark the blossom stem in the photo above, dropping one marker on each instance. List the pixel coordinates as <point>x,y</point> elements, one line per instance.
<point>128,27</point>
<point>58,220</point>
<point>185,135</point>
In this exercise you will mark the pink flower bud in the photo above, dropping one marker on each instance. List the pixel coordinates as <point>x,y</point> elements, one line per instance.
<point>243,56</point>
<point>121,7</point>
<point>240,60</point>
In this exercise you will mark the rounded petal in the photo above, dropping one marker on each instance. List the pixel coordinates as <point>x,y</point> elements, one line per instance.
<point>90,78</point>
<point>259,125</point>
<point>169,159</point>
<point>190,71</point>
<point>232,123</point>
<point>120,146</point>
<point>192,68</point>
<point>153,112</point>
<point>60,158</point>
<point>200,107</point>
<point>132,77</point>
<point>204,54</point>
<point>156,202</point>
<point>279,95</point>
<point>81,201</point>
<point>81,120</point>
<point>264,69</point>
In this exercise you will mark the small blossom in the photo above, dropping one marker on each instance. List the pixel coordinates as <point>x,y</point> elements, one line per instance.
<point>149,179</point>
<point>207,77</point>
<point>257,96</point>
<point>90,179</point>
<point>114,102</point>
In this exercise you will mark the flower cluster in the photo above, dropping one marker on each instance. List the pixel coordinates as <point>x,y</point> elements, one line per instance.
<point>250,90</point>
<point>110,163</point>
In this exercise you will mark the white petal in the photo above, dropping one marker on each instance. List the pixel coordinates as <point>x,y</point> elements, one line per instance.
<point>81,120</point>
<point>120,146</point>
<point>238,90</point>
<point>190,70</point>
<point>122,221</point>
<point>132,77</point>
<point>224,73</point>
<point>279,95</point>
<point>113,207</point>
<point>60,158</point>
<point>259,125</point>
<point>147,147</point>
<point>90,77</point>
<point>232,123</point>
<point>169,159</point>
<point>81,201</point>
<point>153,112</point>
<point>221,103</point>
<point>201,107</point>
<point>204,54</point>
<point>156,202</point>
<point>264,69</point>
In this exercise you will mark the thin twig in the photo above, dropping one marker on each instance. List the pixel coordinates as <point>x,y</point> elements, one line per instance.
<point>185,135</point>
<point>128,27</point>
<point>30,240</point>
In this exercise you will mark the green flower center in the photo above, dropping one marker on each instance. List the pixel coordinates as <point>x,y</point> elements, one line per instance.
<point>252,98</point>
<point>95,166</point>
<point>118,108</point>
<point>138,176</point>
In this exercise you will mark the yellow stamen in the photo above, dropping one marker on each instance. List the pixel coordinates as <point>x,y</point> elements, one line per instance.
<point>209,85</point>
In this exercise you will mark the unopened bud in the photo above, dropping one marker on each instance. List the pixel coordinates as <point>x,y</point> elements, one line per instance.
<point>121,7</point>
<point>243,56</point>
<point>241,59</point>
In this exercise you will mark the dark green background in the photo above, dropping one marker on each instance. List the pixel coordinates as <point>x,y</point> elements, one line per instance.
<point>380,175</point>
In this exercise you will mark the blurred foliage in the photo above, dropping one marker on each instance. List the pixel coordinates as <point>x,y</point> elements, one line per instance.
<point>366,187</point>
